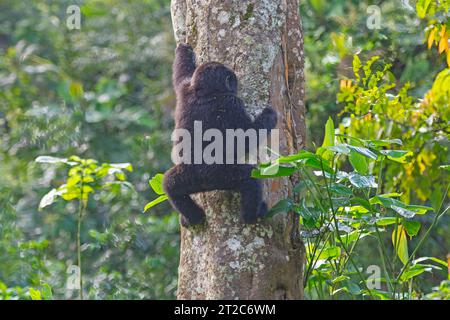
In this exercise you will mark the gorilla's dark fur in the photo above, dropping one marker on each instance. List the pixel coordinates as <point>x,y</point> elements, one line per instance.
<point>209,94</point>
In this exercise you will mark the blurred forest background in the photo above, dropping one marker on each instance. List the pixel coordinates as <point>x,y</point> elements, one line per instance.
<point>104,92</point>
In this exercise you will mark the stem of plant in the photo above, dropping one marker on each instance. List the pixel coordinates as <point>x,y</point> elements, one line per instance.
<point>339,236</point>
<point>80,214</point>
<point>81,210</point>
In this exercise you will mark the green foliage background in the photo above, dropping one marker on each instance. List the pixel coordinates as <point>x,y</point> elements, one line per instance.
<point>104,92</point>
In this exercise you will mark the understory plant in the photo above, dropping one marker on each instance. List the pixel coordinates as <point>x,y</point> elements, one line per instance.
<point>84,178</point>
<point>342,209</point>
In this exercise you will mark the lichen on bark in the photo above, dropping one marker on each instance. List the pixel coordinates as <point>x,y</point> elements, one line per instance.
<point>262,41</point>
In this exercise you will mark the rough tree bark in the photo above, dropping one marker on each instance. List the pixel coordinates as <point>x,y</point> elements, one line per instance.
<point>262,41</point>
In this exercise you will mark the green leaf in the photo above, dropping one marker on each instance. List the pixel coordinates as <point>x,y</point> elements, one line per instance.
<point>364,151</point>
<point>383,143</point>
<point>358,162</point>
<point>422,7</point>
<point>400,243</point>
<point>403,211</point>
<point>356,66</point>
<point>360,181</point>
<point>316,163</point>
<point>445,167</point>
<point>339,279</point>
<point>439,261</point>
<point>351,237</point>
<point>407,211</point>
<point>419,209</point>
<point>386,221</point>
<point>47,292</point>
<point>330,253</point>
<point>411,227</point>
<point>155,202</point>
<point>156,183</point>
<point>340,149</point>
<point>397,155</point>
<point>48,199</point>
<point>35,294</point>
<point>302,154</point>
<point>328,140</point>
<point>417,269</point>
<point>340,189</point>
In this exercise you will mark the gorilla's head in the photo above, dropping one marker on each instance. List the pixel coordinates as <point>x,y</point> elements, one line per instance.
<point>214,78</point>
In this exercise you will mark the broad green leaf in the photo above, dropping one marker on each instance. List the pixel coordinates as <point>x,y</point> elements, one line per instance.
<point>422,7</point>
<point>360,181</point>
<point>403,211</point>
<point>351,237</point>
<point>383,143</point>
<point>400,243</point>
<point>386,221</point>
<point>397,155</point>
<point>340,189</point>
<point>339,279</point>
<point>419,209</point>
<point>414,272</point>
<point>364,151</point>
<point>48,199</point>
<point>445,167</point>
<point>407,211</point>
<point>358,162</point>
<point>330,253</point>
<point>411,227</point>
<point>156,183</point>
<point>328,140</point>
<point>316,163</point>
<point>302,154</point>
<point>362,202</point>
<point>417,269</point>
<point>340,149</point>
<point>155,202</point>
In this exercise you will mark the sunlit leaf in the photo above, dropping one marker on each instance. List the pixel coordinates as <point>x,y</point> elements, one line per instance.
<point>328,140</point>
<point>400,243</point>
<point>48,199</point>
<point>360,181</point>
<point>157,183</point>
<point>155,202</point>
<point>48,159</point>
<point>35,294</point>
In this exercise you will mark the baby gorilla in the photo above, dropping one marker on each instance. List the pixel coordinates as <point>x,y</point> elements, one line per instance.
<point>209,94</point>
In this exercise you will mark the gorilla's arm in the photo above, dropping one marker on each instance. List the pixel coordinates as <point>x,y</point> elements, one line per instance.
<point>183,65</point>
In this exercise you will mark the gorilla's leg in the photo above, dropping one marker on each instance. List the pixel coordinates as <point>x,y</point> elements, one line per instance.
<point>179,182</point>
<point>252,204</point>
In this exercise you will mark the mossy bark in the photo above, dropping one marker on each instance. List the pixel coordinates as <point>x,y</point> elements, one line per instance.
<point>262,41</point>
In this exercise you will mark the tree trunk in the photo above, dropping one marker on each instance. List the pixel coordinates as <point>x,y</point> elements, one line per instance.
<point>262,41</point>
